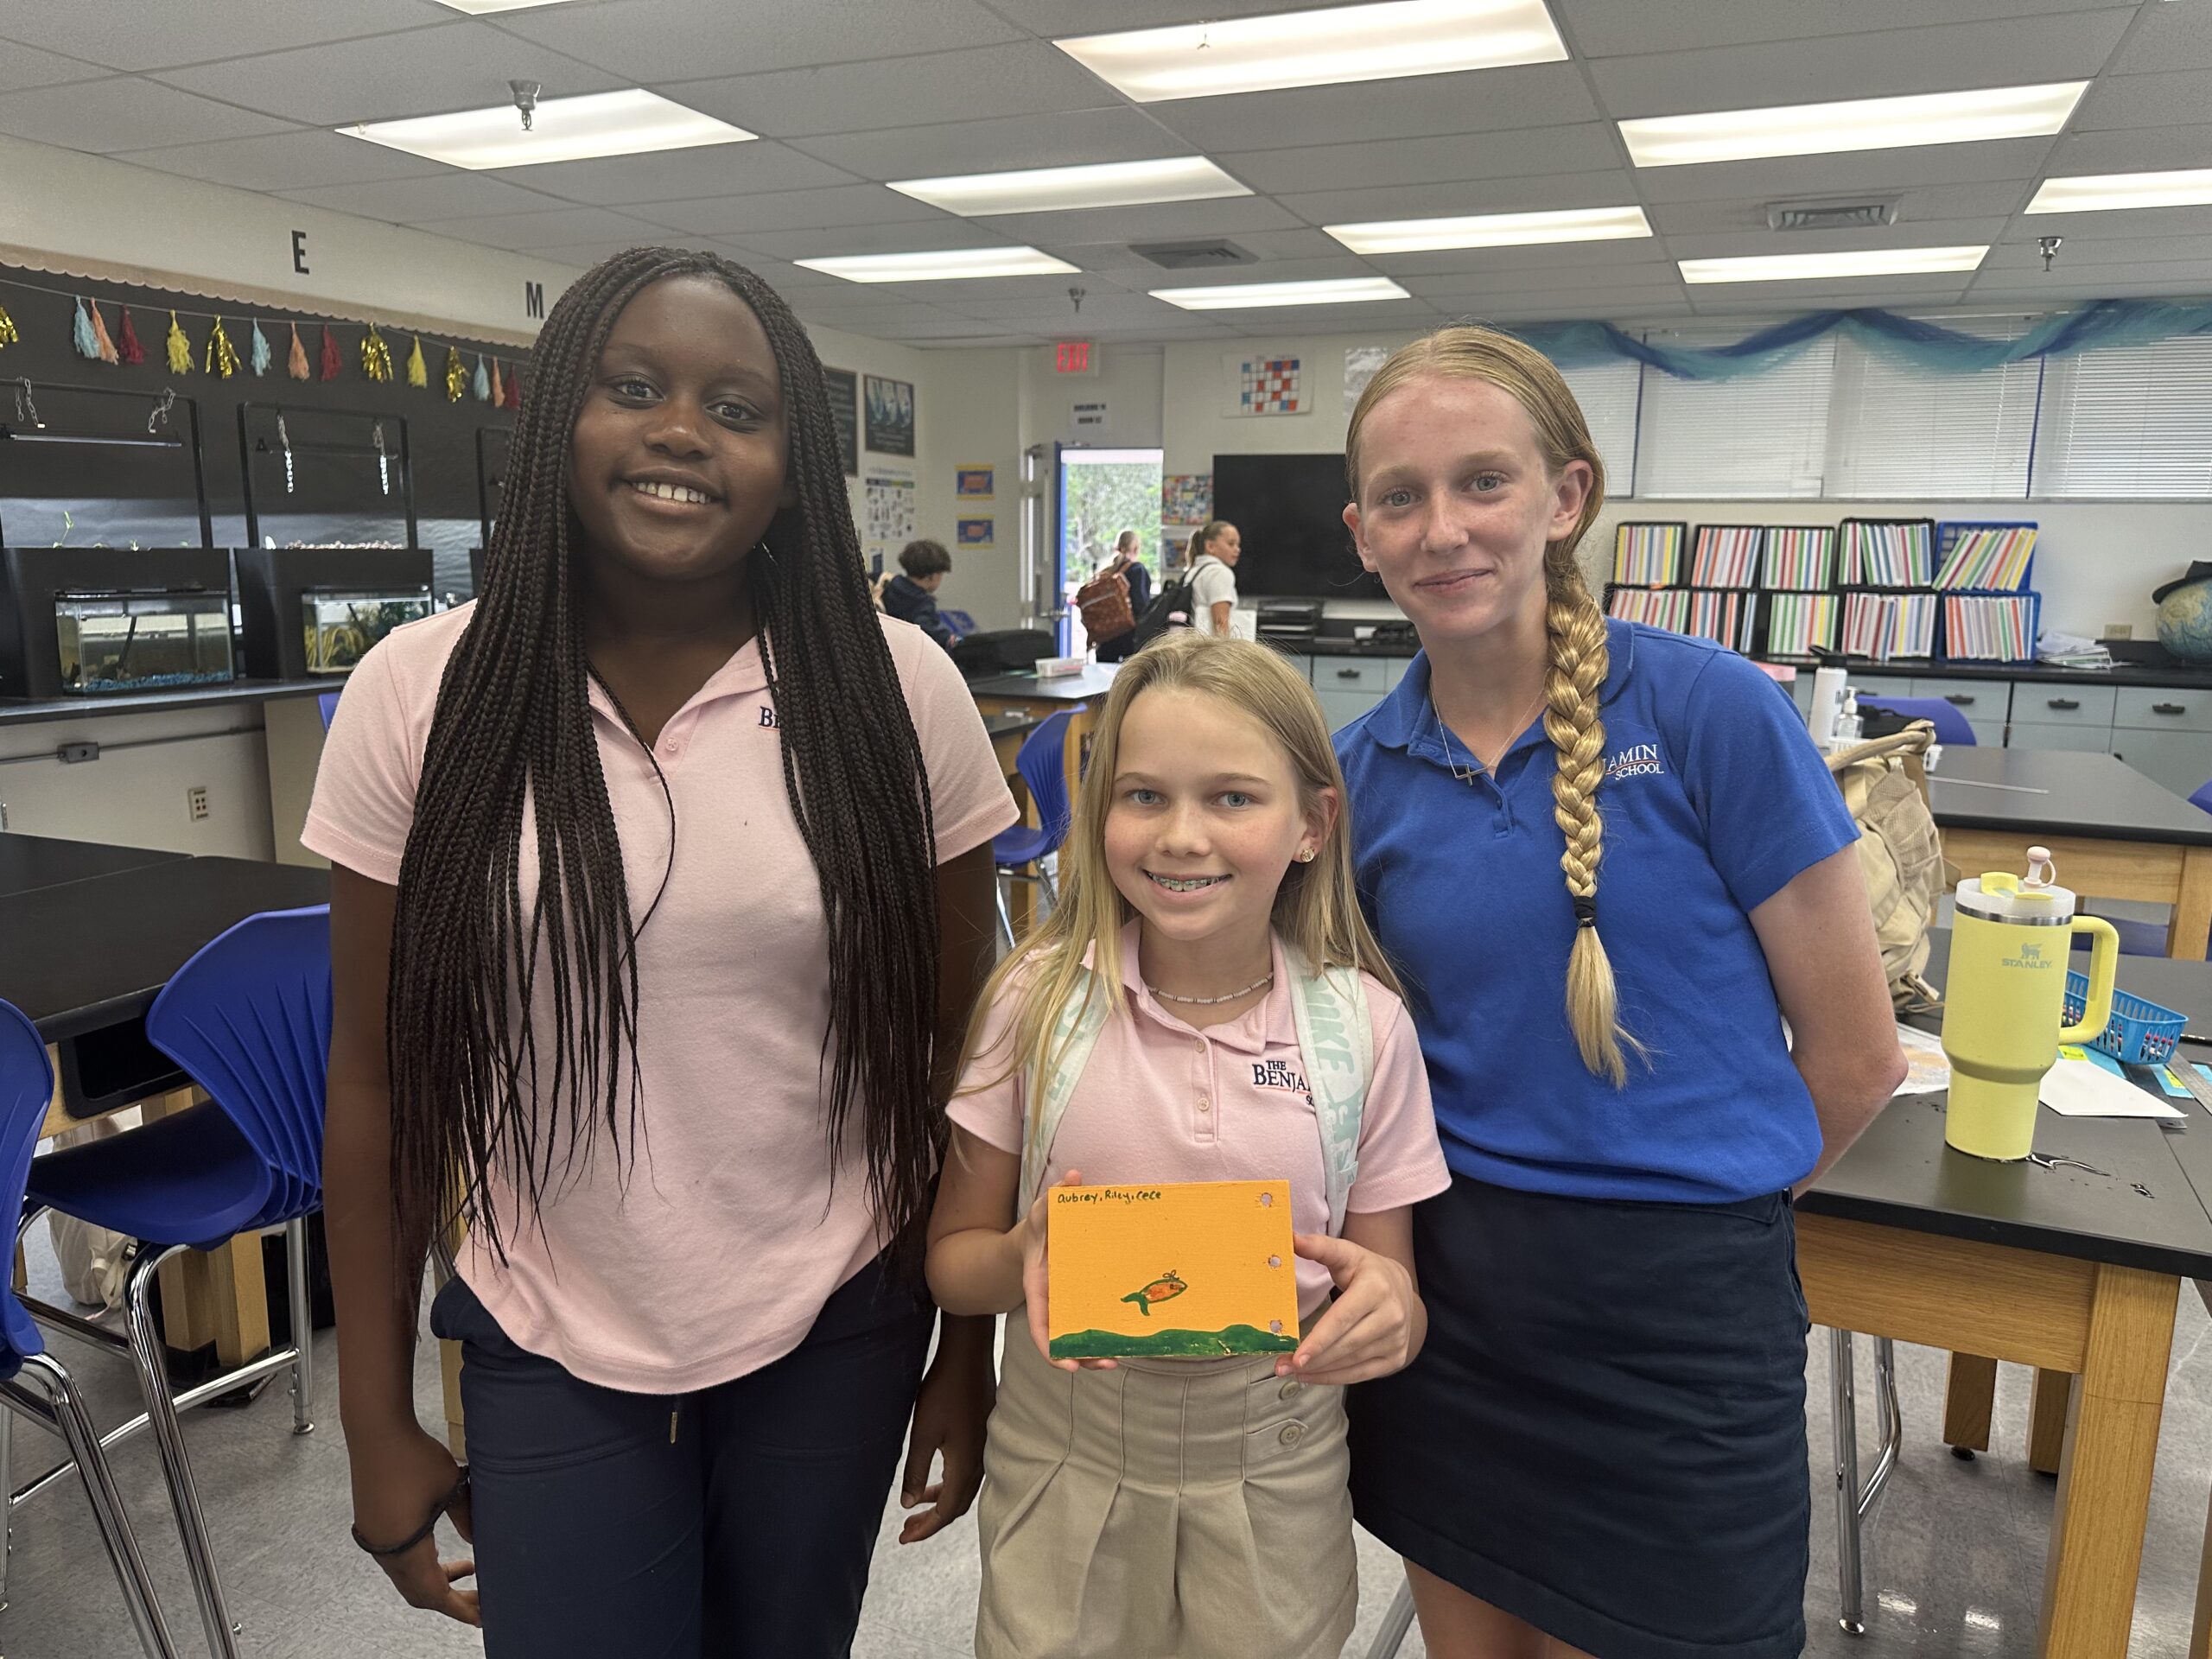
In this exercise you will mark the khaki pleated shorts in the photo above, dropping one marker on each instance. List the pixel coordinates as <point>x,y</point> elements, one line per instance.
<point>1167,1509</point>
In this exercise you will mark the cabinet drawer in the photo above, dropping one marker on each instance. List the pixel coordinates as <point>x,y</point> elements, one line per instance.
<point>2061,705</point>
<point>2182,761</point>
<point>1300,660</point>
<point>1340,709</point>
<point>1351,674</point>
<point>1975,699</point>
<point>2046,734</point>
<point>2159,708</point>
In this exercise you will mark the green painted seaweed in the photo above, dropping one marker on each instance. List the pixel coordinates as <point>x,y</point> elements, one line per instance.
<point>1172,1345</point>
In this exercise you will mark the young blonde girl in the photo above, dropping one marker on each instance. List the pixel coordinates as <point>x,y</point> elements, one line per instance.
<point>1163,1506</point>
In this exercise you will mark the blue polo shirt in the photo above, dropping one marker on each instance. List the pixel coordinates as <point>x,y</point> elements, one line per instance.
<point>1714,797</point>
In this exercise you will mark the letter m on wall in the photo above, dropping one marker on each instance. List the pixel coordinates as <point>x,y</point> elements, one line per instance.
<point>533,300</point>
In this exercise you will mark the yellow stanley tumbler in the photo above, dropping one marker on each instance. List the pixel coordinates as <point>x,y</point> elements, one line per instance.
<point>2004,998</point>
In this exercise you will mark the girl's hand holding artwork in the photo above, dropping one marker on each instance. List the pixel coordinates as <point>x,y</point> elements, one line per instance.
<point>1036,1283</point>
<point>1372,1328</point>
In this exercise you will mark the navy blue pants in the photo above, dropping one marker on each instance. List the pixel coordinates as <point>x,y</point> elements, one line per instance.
<point>734,1521</point>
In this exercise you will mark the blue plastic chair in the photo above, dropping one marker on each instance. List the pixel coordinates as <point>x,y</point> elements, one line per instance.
<point>1020,852</point>
<point>248,1018</point>
<point>327,702</point>
<point>2149,939</point>
<point>1951,725</point>
<point>32,1381</point>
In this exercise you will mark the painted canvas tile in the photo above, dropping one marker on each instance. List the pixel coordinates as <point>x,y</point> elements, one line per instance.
<point>1187,1269</point>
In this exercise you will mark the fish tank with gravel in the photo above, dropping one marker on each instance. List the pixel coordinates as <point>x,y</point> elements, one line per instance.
<point>342,627</point>
<point>117,642</point>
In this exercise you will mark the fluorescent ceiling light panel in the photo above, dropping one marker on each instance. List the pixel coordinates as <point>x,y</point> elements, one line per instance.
<point>1807,267</point>
<point>563,129</point>
<point>1236,297</point>
<point>479,8</point>
<point>1860,123</point>
<point>952,265</point>
<point>1320,49</point>
<point>2106,192</point>
<point>1050,189</point>
<point>1493,230</point>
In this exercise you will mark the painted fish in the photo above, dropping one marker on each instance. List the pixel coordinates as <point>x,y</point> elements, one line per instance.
<point>1159,1290</point>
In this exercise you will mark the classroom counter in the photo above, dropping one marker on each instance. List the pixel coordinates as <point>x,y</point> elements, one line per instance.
<point>27,711</point>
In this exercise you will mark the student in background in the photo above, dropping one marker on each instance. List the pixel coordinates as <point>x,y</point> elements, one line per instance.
<point>912,594</point>
<point>729,835</point>
<point>1601,1450</point>
<point>1188,1506</point>
<point>1213,555</point>
<point>1125,564</point>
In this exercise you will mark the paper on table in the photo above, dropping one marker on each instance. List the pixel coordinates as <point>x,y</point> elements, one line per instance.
<point>2083,1089</point>
<point>2172,1084</point>
<point>1927,1070</point>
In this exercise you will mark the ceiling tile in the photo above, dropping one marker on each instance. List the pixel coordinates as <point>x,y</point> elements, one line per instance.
<point>1038,293</point>
<point>123,113</point>
<point>1564,279</point>
<point>1419,106</point>
<point>672,174</point>
<point>1021,78</point>
<point>2178,99</point>
<point>790,210</point>
<point>1556,256</point>
<point>866,319</point>
<point>299,160</point>
<point>2129,223</point>
<point>1121,133</point>
<point>1613,29</point>
<point>1606,189</point>
<point>2178,36</point>
<point>1564,308</point>
<point>582,255</point>
<point>1722,299</point>
<point>1158,221</point>
<point>1275,271</point>
<point>1859,175</point>
<point>2031,296</point>
<point>1585,147</point>
<point>546,230</point>
<point>1647,311</point>
<point>414,201</point>
<point>1888,63</point>
<point>1098,309</point>
<point>2132,149</point>
<point>24,66</point>
<point>1065,17</point>
<point>1916,209</point>
<point>150,36</point>
<point>2024,256</point>
<point>463,65</point>
<point>929,237</point>
<point>690,40</point>
<point>1732,245</point>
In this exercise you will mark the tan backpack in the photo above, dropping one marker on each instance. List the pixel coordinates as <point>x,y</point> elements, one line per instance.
<point>1884,784</point>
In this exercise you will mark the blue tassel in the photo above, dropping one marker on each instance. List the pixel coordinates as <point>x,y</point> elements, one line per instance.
<point>483,386</point>
<point>259,350</point>
<point>88,344</point>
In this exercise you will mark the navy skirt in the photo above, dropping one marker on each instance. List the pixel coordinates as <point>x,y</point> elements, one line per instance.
<point>1605,1434</point>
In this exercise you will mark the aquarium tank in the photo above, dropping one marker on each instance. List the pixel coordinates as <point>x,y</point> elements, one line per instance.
<point>113,642</point>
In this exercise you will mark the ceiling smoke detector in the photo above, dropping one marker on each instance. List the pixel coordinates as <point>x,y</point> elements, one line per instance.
<point>1829,215</point>
<point>1193,255</point>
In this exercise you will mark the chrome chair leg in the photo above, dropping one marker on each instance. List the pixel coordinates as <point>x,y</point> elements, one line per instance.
<point>295,1282</point>
<point>1397,1619</point>
<point>1006,921</point>
<point>1843,1407</point>
<point>146,1351</point>
<point>53,1398</point>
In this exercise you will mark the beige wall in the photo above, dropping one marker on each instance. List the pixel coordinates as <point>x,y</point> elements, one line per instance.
<point>133,795</point>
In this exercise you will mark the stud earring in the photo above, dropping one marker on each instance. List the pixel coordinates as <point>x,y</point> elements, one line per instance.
<point>1306,855</point>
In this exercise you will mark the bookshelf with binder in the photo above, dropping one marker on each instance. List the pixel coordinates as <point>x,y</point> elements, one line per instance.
<point>1885,581</point>
<point>1707,595</point>
<point>1984,578</point>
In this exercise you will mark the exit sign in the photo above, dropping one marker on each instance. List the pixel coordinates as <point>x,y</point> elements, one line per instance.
<point>1075,357</point>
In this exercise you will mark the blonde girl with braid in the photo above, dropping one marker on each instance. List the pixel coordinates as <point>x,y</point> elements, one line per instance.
<point>1608,863</point>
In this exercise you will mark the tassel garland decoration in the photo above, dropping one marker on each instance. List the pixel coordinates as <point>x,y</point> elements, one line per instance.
<point>376,356</point>
<point>499,391</point>
<point>418,372</point>
<point>481,387</point>
<point>179,347</point>
<point>296,364</point>
<point>222,356</point>
<point>100,341</point>
<point>128,347</point>
<point>331,366</point>
<point>7,334</point>
<point>81,330</point>
<point>258,352</point>
<point>513,399</point>
<point>456,375</point>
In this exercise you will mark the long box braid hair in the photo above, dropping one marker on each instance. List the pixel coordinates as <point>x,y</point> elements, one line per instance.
<point>514,725</point>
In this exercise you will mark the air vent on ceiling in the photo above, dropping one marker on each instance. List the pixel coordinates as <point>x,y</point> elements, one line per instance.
<point>1829,215</point>
<point>1193,255</point>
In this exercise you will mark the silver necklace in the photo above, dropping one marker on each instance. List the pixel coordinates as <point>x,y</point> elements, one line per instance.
<point>1519,726</point>
<point>1207,1001</point>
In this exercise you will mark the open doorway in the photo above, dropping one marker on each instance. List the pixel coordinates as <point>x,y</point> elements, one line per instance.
<point>1104,493</point>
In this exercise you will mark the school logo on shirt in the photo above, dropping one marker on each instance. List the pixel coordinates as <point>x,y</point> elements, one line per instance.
<point>1637,760</point>
<point>1278,1074</point>
<point>768,715</point>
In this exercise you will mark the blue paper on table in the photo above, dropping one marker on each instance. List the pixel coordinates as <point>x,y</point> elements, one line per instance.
<point>2171,1084</point>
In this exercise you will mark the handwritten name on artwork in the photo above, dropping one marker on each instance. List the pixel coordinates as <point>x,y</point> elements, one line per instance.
<point>1106,1195</point>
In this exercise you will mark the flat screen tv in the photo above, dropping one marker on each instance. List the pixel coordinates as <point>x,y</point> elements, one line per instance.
<point>1288,510</point>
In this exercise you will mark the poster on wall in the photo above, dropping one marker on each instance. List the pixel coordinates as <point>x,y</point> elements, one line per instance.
<point>974,533</point>
<point>1089,417</point>
<point>1264,385</point>
<point>1186,499</point>
<point>972,483</point>
<point>887,510</point>
<point>1361,363</point>
<point>890,416</point>
<point>844,414</point>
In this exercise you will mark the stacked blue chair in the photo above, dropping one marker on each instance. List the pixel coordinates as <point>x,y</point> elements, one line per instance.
<point>1020,852</point>
<point>32,1381</point>
<point>248,1020</point>
<point>1951,725</point>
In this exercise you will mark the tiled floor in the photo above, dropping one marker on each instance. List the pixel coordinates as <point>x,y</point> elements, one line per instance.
<point>1954,1562</point>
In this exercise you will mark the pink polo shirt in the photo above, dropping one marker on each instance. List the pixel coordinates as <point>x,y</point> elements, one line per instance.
<point>736,1224</point>
<point>1163,1101</point>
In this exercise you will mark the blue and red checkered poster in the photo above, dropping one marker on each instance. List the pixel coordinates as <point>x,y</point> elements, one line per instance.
<point>1265,385</point>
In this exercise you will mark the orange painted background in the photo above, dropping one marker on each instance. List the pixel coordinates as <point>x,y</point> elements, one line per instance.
<point>1228,1240</point>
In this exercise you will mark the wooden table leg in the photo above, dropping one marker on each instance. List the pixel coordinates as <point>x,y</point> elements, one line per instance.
<point>2046,1420</point>
<point>2200,1630</point>
<point>2104,1481</point>
<point>1969,1401</point>
<point>2186,938</point>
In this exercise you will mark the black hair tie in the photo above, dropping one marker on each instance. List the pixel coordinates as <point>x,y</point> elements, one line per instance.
<point>459,1491</point>
<point>1585,910</point>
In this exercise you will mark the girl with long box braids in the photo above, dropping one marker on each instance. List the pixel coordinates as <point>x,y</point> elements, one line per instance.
<point>1608,862</point>
<point>662,889</point>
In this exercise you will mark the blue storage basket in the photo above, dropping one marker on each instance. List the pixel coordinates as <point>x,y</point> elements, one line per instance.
<point>2141,1033</point>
